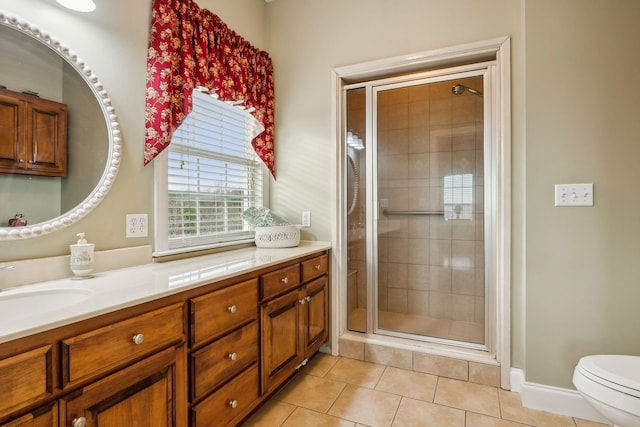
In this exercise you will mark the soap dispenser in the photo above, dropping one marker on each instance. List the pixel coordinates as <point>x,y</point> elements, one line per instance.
<point>82,258</point>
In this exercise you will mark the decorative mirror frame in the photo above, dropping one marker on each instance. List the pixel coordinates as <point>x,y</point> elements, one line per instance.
<point>113,129</point>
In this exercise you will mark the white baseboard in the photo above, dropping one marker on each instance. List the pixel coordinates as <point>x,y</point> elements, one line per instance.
<point>553,399</point>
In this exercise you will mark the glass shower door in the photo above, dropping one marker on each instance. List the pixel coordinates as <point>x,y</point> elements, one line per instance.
<point>419,271</point>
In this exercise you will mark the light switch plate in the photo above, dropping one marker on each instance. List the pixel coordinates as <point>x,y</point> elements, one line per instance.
<point>137,225</point>
<point>574,194</point>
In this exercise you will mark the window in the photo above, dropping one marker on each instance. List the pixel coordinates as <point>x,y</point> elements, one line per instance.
<point>207,178</point>
<point>458,196</point>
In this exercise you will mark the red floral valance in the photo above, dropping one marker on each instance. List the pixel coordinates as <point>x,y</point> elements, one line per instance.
<point>191,47</point>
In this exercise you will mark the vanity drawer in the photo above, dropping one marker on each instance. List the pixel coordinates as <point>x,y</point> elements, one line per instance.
<point>222,359</point>
<point>279,281</point>
<point>221,311</point>
<point>91,353</point>
<point>230,403</point>
<point>315,267</point>
<point>25,378</point>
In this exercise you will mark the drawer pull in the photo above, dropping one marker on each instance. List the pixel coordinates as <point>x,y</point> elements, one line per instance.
<point>233,356</point>
<point>285,280</point>
<point>233,404</point>
<point>138,339</point>
<point>232,309</point>
<point>79,422</point>
<point>316,267</point>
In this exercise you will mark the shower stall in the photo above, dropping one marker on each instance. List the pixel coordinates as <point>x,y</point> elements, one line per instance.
<point>415,197</point>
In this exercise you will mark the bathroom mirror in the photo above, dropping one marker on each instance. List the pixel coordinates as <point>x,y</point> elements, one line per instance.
<point>33,60</point>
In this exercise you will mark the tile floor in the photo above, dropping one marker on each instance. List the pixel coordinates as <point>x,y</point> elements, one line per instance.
<point>335,391</point>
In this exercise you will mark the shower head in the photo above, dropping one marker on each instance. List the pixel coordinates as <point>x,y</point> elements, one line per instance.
<point>459,90</point>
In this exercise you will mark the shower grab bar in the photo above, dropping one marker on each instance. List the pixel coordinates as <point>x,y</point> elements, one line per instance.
<point>389,213</point>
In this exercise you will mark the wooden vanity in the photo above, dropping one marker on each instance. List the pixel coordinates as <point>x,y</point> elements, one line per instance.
<point>206,355</point>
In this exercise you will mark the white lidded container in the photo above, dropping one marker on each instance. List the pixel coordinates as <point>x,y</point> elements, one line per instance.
<point>81,261</point>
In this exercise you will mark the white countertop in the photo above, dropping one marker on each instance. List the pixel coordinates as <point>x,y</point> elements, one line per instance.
<point>39,307</point>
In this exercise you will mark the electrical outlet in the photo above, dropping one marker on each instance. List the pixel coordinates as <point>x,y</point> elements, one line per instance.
<point>306,219</point>
<point>137,225</point>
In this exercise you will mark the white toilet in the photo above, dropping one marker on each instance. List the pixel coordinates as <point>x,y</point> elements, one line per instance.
<point>611,384</point>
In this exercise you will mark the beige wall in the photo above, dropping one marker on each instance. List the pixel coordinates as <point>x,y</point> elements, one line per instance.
<point>580,120</point>
<point>583,125</point>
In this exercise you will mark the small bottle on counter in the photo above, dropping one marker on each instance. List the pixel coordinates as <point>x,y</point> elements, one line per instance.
<point>82,258</point>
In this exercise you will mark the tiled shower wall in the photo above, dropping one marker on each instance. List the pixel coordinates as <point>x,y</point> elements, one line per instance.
<point>428,265</point>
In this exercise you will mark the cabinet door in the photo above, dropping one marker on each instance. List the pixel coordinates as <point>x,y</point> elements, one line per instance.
<point>141,395</point>
<point>282,344</point>
<point>47,150</point>
<point>315,322</point>
<point>11,134</point>
<point>47,416</point>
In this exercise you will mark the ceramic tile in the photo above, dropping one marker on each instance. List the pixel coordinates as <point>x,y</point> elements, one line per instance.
<point>479,420</point>
<point>353,349</point>
<point>416,413</point>
<point>320,364</point>
<point>586,423</point>
<point>388,356</point>
<point>356,372</point>
<point>408,383</point>
<point>365,406</point>
<point>441,366</point>
<point>512,409</point>
<point>272,414</point>
<point>484,374</point>
<point>307,418</point>
<point>468,396</point>
<point>311,392</point>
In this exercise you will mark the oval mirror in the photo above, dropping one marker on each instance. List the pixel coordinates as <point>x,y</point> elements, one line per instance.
<point>36,63</point>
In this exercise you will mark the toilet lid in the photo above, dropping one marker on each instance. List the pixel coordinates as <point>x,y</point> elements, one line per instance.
<point>617,371</point>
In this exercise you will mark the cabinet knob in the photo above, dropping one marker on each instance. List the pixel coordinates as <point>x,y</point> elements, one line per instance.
<point>138,339</point>
<point>316,267</point>
<point>303,301</point>
<point>285,280</point>
<point>233,356</point>
<point>308,298</point>
<point>20,161</point>
<point>79,422</point>
<point>233,404</point>
<point>232,309</point>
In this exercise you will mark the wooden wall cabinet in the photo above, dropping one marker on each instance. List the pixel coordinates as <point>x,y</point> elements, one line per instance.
<point>33,135</point>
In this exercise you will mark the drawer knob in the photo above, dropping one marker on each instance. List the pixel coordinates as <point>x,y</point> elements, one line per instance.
<point>303,301</point>
<point>138,339</point>
<point>308,298</point>
<point>233,356</point>
<point>232,309</point>
<point>79,422</point>
<point>285,280</point>
<point>233,404</point>
<point>316,267</point>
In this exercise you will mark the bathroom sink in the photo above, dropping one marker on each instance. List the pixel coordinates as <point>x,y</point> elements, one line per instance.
<point>18,304</point>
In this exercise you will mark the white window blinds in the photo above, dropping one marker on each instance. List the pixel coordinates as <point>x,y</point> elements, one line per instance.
<point>213,175</point>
